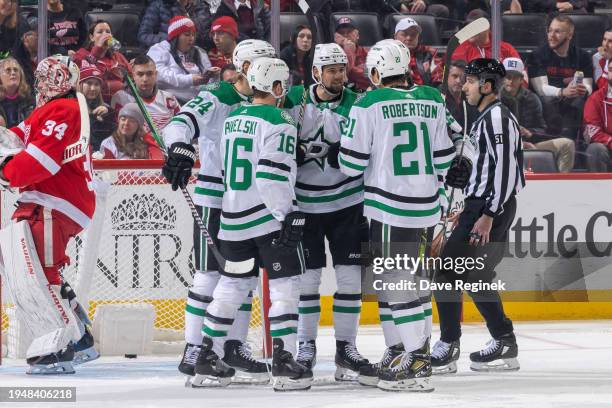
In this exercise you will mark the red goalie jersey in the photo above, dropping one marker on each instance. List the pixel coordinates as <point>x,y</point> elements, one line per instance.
<point>54,169</point>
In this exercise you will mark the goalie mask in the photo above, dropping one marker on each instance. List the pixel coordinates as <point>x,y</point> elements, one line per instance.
<point>249,50</point>
<point>265,72</point>
<point>388,58</point>
<point>55,76</point>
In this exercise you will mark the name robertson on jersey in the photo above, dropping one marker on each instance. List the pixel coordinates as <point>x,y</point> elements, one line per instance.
<point>241,126</point>
<point>409,109</point>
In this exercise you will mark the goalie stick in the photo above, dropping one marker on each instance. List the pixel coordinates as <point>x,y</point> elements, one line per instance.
<point>227,266</point>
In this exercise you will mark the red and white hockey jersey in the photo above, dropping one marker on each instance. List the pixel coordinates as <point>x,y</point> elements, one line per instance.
<point>54,169</point>
<point>162,107</point>
<point>600,70</point>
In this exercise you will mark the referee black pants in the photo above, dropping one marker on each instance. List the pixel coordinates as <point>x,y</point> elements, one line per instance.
<point>488,302</point>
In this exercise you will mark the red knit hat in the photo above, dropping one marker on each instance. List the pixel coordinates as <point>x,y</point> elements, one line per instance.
<point>225,24</point>
<point>179,25</point>
<point>90,72</point>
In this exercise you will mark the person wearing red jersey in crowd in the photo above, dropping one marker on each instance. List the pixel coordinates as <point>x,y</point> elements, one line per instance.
<point>347,36</point>
<point>480,46</point>
<point>601,59</point>
<point>161,105</point>
<point>98,53</point>
<point>598,128</point>
<point>50,165</point>
<point>130,140</point>
<point>425,64</point>
<point>224,32</point>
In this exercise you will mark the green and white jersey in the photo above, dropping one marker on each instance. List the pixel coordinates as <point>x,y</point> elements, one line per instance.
<point>398,138</point>
<point>259,170</point>
<point>320,188</point>
<point>202,118</point>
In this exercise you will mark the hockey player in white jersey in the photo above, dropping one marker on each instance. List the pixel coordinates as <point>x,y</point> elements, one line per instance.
<point>333,203</point>
<point>202,119</point>
<point>259,219</point>
<point>397,137</point>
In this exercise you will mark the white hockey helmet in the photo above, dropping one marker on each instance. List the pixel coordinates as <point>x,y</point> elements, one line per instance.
<point>327,54</point>
<point>55,76</point>
<point>249,50</point>
<point>388,58</point>
<point>265,72</point>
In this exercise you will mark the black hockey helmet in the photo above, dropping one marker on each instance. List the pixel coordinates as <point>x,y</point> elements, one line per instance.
<point>487,69</point>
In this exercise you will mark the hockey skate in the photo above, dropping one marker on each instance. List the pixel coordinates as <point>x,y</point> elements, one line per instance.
<point>210,370</point>
<point>307,353</point>
<point>188,362</point>
<point>499,355</point>
<point>52,364</point>
<point>248,370</point>
<point>84,350</point>
<point>410,373</point>
<point>348,361</point>
<point>368,374</point>
<point>444,357</point>
<point>288,374</point>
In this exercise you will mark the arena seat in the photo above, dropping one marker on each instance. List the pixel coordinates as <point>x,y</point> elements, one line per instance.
<point>370,31</point>
<point>589,29</point>
<point>524,31</point>
<point>430,34</point>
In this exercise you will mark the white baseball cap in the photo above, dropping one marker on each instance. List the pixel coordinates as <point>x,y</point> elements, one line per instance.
<point>406,23</point>
<point>514,64</point>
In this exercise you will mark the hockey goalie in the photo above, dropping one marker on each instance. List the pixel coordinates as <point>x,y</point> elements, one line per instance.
<point>46,157</point>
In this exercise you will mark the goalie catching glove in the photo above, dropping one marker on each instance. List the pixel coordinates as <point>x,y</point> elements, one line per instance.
<point>291,232</point>
<point>178,166</point>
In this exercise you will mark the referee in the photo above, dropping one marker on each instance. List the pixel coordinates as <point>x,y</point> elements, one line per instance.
<point>490,186</point>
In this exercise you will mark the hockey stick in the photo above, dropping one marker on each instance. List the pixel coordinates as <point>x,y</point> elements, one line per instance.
<point>231,267</point>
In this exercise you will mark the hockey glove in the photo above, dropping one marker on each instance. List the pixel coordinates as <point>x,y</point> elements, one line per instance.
<point>300,155</point>
<point>180,161</point>
<point>459,173</point>
<point>291,232</point>
<point>332,155</point>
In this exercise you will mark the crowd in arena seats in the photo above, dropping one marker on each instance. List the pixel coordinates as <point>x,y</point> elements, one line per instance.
<point>559,90</point>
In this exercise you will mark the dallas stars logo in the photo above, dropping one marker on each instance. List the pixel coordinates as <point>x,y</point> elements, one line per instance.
<point>318,137</point>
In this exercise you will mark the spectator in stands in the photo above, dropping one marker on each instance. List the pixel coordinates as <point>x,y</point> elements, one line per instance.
<point>419,7</point>
<point>530,117</point>
<point>464,8</point>
<point>455,97</point>
<point>2,117</point>
<point>67,31</point>
<point>154,24</point>
<point>347,36</point>
<point>224,33</point>
<point>252,16</point>
<point>101,117</point>
<point>552,71</point>
<point>12,25</point>
<point>97,53</point>
<point>425,64</point>
<point>161,105</point>
<point>130,140</point>
<point>601,59</point>
<point>554,6</point>
<point>16,100</point>
<point>181,65</point>
<point>480,46</point>
<point>298,57</point>
<point>229,73</point>
<point>26,53</point>
<point>598,128</point>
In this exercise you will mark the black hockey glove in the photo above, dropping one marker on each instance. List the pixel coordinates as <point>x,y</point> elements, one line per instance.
<point>332,155</point>
<point>291,232</point>
<point>459,173</point>
<point>180,161</point>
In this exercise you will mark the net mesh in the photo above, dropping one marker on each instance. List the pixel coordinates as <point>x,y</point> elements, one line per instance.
<point>145,252</point>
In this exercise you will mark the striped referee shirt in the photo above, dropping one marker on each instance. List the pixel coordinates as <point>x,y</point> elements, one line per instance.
<point>497,174</point>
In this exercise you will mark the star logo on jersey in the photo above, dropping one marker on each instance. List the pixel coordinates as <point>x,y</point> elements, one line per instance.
<point>318,137</point>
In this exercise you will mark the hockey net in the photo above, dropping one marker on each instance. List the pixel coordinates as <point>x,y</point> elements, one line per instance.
<point>143,235</point>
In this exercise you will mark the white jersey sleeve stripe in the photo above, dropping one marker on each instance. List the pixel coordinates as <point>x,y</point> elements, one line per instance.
<point>43,158</point>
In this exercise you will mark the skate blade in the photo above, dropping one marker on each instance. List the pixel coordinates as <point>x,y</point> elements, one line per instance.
<point>409,385</point>
<point>346,375</point>
<point>209,381</point>
<point>367,381</point>
<point>85,356</point>
<point>507,364</point>
<point>450,368</point>
<point>244,377</point>
<point>51,369</point>
<point>282,384</point>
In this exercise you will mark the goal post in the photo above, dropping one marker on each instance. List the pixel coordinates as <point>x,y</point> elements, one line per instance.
<point>137,250</point>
